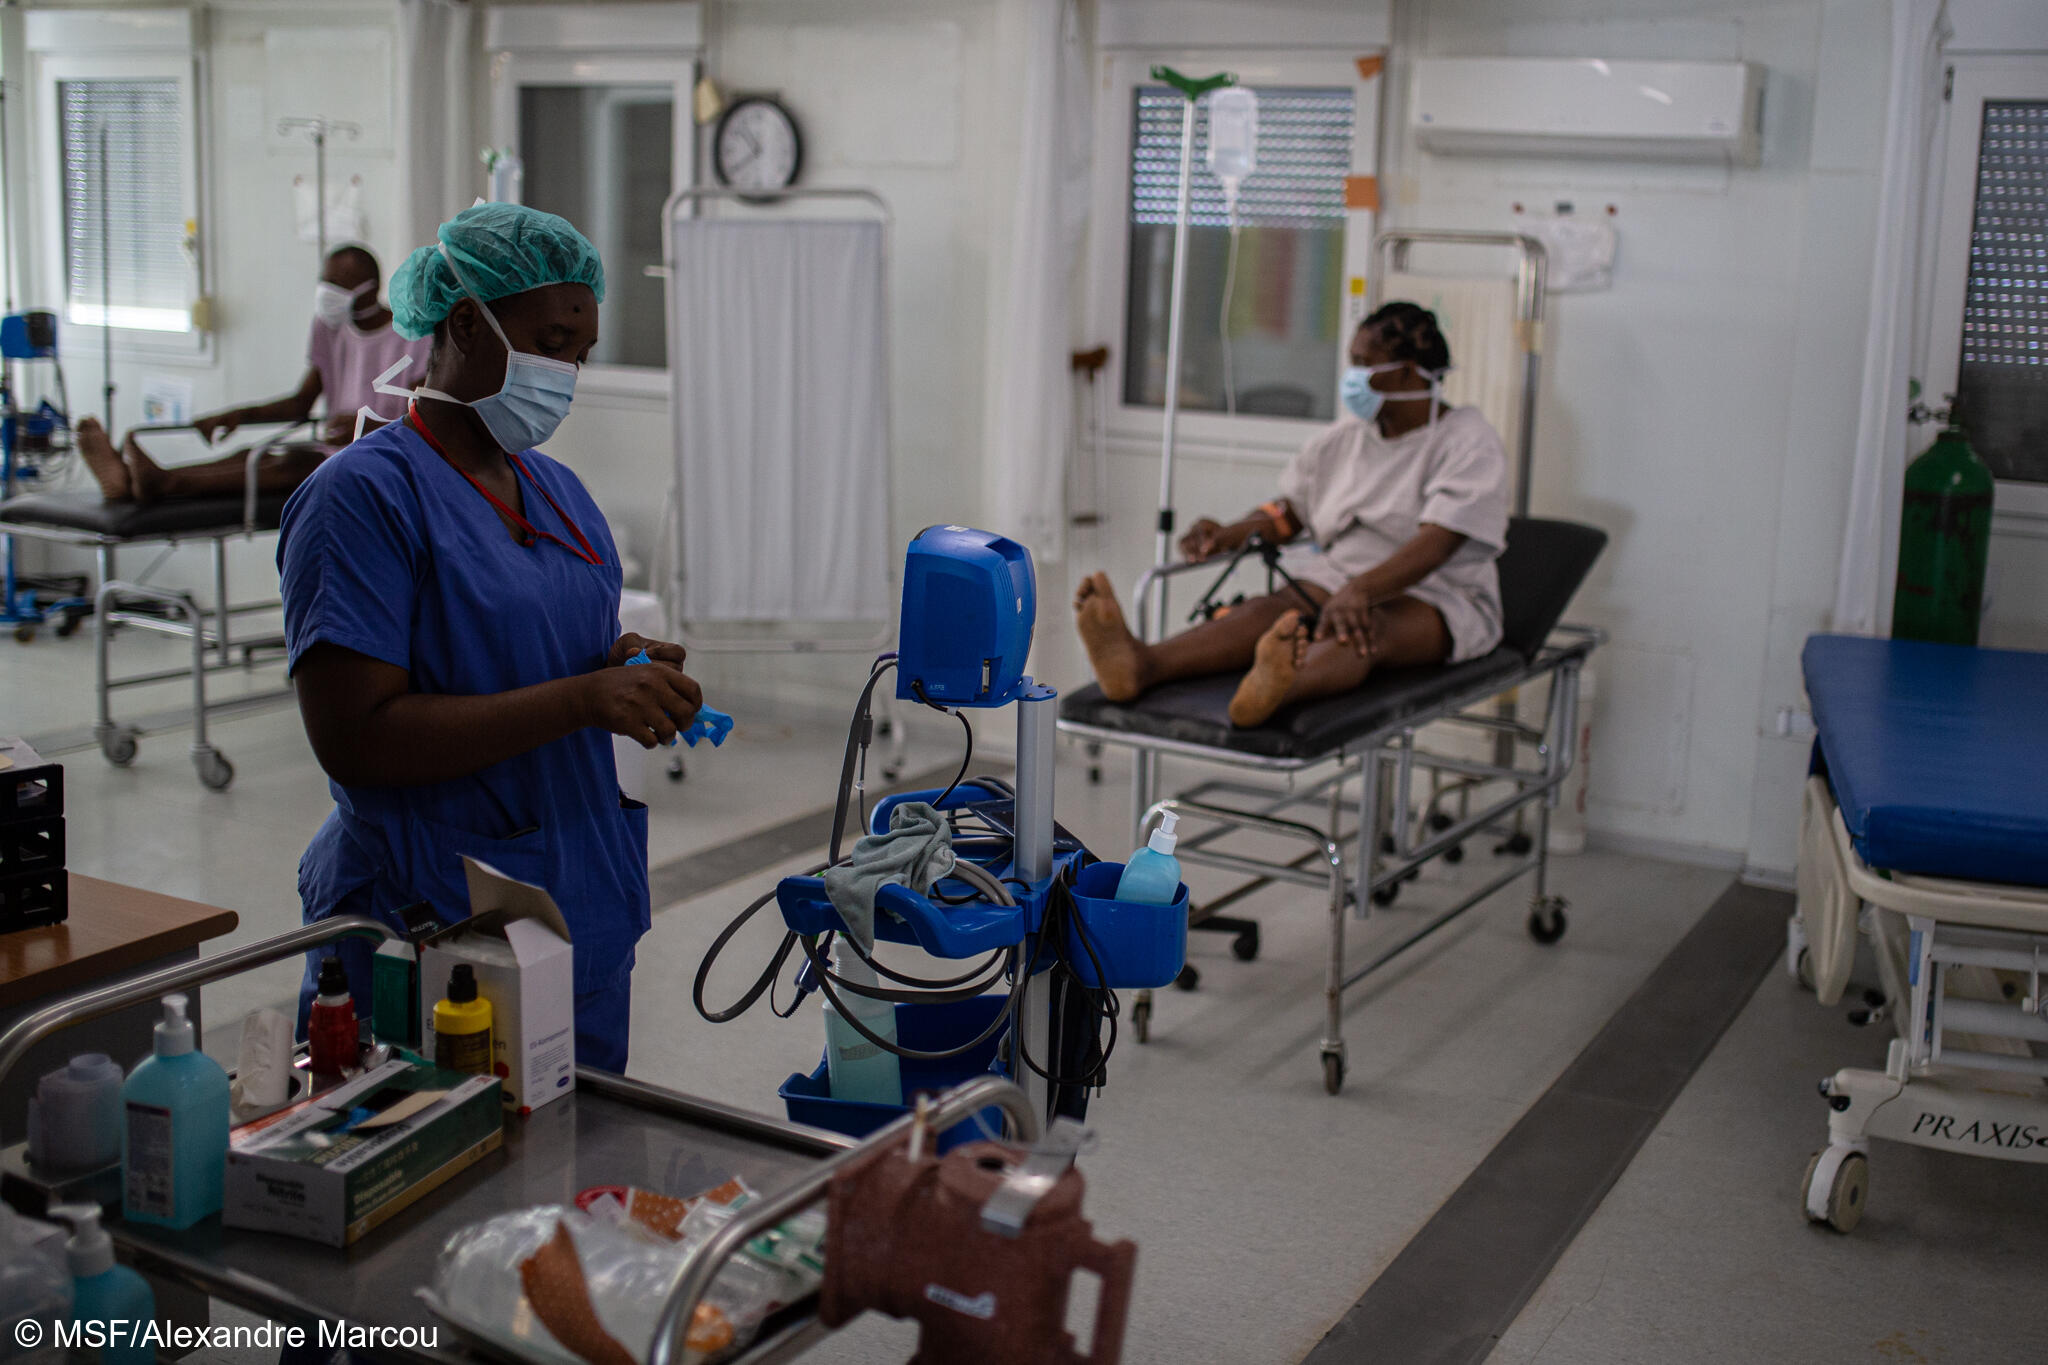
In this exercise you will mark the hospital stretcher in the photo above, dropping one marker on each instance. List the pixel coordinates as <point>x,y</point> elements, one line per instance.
<point>1925,828</point>
<point>611,1131</point>
<point>83,518</point>
<point>1369,737</point>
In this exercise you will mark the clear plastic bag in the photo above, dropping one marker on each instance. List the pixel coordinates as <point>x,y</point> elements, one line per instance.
<point>628,1272</point>
<point>35,1286</point>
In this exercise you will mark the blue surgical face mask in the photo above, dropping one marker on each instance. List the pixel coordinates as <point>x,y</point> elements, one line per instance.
<point>535,397</point>
<point>1364,401</point>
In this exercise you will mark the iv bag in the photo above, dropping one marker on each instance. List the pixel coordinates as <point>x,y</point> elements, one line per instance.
<point>1233,135</point>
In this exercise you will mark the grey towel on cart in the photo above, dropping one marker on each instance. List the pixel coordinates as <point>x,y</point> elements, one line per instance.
<point>916,850</point>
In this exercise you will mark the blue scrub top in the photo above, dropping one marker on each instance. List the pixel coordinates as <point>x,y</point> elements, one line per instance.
<point>387,550</point>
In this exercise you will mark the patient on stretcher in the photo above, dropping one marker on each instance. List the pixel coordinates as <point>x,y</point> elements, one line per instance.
<point>351,344</point>
<point>1405,502</point>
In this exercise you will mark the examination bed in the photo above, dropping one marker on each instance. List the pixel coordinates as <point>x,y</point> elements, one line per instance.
<point>1370,736</point>
<point>1925,827</point>
<point>85,519</point>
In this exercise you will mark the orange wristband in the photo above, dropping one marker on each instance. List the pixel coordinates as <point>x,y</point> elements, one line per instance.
<point>1283,518</point>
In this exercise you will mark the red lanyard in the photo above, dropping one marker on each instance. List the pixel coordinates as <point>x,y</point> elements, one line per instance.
<point>527,530</point>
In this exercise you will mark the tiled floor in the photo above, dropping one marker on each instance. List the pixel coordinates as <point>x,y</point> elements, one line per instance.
<point>1262,1207</point>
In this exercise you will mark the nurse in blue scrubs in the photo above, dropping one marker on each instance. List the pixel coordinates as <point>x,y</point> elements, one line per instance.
<point>451,602</point>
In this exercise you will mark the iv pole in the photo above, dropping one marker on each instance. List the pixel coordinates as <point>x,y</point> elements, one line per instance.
<point>318,128</point>
<point>106,292</point>
<point>1193,90</point>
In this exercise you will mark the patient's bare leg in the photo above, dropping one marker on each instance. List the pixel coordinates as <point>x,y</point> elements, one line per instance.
<point>221,478</point>
<point>102,459</point>
<point>1125,667</point>
<point>1288,668</point>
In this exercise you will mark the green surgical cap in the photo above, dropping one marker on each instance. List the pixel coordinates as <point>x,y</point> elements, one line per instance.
<point>502,249</point>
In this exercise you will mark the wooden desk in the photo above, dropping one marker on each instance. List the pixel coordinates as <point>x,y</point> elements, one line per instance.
<point>113,929</point>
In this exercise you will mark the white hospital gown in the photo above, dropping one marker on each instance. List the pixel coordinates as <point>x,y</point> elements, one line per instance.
<point>1363,497</point>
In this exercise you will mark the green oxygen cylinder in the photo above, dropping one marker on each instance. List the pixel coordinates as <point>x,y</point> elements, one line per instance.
<point>1944,541</point>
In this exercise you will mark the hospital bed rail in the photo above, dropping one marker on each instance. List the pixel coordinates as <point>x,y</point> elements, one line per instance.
<point>608,1118</point>
<point>86,521</point>
<point>1367,846</point>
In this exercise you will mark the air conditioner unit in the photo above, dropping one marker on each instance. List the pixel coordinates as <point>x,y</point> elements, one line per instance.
<point>1656,111</point>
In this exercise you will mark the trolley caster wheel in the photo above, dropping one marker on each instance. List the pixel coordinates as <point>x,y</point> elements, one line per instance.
<point>215,772</point>
<point>68,627</point>
<point>1094,776</point>
<point>1516,845</point>
<point>892,772</point>
<point>675,774</point>
<point>1245,946</point>
<point>1141,1020</point>
<point>1188,979</point>
<point>1455,854</point>
<point>1847,1189</point>
<point>24,633</point>
<point>119,746</point>
<point>1440,822</point>
<point>1547,922</point>
<point>884,727</point>
<point>1386,894</point>
<point>1333,1072</point>
<point>1387,844</point>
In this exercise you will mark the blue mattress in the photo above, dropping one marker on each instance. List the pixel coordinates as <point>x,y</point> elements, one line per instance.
<point>1937,754</point>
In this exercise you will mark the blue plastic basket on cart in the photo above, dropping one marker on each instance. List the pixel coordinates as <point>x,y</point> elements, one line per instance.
<point>1138,945</point>
<point>921,1028</point>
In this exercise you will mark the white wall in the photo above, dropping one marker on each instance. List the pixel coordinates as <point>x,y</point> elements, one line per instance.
<point>259,274</point>
<point>1702,411</point>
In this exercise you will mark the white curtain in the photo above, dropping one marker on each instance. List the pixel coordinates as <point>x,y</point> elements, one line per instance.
<point>781,385</point>
<point>1896,330</point>
<point>438,171</point>
<point>1030,340</point>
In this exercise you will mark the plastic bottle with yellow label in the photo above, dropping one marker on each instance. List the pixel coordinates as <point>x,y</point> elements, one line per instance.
<point>462,1026</point>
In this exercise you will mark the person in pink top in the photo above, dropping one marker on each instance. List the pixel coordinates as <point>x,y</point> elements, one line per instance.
<point>351,345</point>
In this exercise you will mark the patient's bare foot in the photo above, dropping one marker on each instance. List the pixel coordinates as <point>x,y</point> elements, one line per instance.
<point>102,459</point>
<point>146,478</point>
<point>1274,662</point>
<point>1115,654</point>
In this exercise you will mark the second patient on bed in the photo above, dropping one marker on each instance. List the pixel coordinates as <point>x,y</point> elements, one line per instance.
<point>352,343</point>
<point>1405,505</point>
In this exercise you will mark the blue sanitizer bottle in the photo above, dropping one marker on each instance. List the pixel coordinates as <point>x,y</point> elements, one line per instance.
<point>174,1140</point>
<point>1152,876</point>
<point>104,1291</point>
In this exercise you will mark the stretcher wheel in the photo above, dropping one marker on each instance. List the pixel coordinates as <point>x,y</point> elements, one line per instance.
<point>1846,1194</point>
<point>118,744</point>
<point>1547,922</point>
<point>1385,895</point>
<point>1454,854</point>
<point>1188,979</point>
<point>215,772</point>
<point>1245,946</point>
<point>1333,1072</point>
<point>1517,844</point>
<point>1141,1019</point>
<point>1440,822</point>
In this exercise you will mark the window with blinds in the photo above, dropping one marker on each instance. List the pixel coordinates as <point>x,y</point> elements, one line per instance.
<point>1261,329</point>
<point>2002,383</point>
<point>121,157</point>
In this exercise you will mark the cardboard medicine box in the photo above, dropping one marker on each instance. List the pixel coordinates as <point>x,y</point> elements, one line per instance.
<point>517,943</point>
<point>332,1167</point>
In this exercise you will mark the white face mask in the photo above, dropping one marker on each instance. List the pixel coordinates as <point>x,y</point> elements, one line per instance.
<point>333,305</point>
<point>530,403</point>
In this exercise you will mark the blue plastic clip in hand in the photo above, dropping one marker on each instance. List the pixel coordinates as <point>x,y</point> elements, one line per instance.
<point>711,723</point>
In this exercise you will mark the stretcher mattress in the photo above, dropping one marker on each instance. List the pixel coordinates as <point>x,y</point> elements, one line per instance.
<point>1542,566</point>
<point>90,513</point>
<point>1197,711</point>
<point>1937,754</point>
